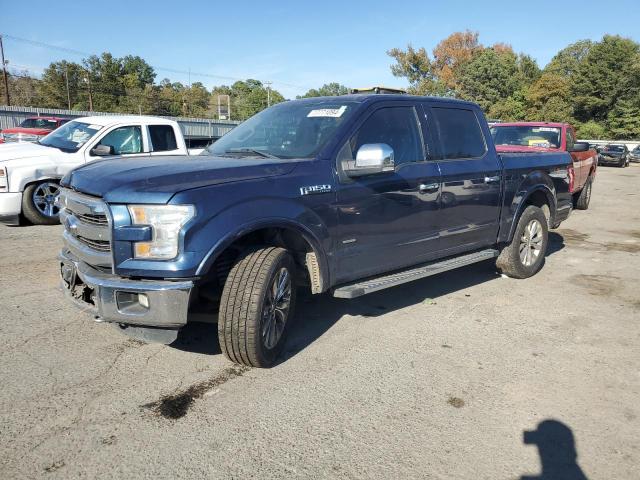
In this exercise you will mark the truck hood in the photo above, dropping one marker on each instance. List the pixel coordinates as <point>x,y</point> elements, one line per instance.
<point>17,151</point>
<point>30,131</point>
<point>157,179</point>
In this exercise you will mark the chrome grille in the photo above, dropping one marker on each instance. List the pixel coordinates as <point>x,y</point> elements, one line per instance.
<point>100,220</point>
<point>87,229</point>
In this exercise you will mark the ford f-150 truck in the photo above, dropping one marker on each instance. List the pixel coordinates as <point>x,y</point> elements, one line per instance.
<point>548,136</point>
<point>349,194</point>
<point>30,172</point>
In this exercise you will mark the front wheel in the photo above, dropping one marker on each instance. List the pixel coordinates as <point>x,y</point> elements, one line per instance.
<point>524,256</point>
<point>257,303</point>
<point>39,203</point>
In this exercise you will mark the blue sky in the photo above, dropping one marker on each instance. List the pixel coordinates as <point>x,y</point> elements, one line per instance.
<point>297,44</point>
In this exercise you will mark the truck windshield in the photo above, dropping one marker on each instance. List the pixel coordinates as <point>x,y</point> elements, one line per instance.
<point>296,129</point>
<point>38,123</point>
<point>71,136</point>
<point>526,136</point>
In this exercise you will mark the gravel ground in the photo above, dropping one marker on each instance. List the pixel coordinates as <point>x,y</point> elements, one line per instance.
<point>436,379</point>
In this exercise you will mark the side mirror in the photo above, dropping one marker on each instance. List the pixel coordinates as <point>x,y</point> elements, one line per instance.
<point>102,150</point>
<point>371,158</point>
<point>580,147</point>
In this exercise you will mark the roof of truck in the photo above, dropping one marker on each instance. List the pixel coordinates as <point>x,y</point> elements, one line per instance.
<point>530,124</point>
<point>105,120</point>
<point>381,97</point>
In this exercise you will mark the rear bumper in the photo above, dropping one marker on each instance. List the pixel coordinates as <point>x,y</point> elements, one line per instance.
<point>155,303</point>
<point>10,207</point>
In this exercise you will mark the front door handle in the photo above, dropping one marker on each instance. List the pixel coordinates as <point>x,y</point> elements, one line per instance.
<point>428,187</point>
<point>494,179</point>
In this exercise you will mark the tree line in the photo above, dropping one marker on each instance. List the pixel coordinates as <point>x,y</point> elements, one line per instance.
<point>593,84</point>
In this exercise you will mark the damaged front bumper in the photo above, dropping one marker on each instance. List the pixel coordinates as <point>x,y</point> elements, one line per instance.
<point>110,298</point>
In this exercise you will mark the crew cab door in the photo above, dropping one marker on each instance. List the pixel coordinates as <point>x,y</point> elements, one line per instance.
<point>125,140</point>
<point>164,140</point>
<point>387,220</point>
<point>471,174</point>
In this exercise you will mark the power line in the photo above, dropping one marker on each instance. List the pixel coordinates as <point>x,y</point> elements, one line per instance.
<point>158,68</point>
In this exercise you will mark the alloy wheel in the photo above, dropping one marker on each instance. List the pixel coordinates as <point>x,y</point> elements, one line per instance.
<point>276,308</point>
<point>531,243</point>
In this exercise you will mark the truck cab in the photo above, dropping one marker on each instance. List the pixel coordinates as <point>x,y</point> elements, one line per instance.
<point>30,172</point>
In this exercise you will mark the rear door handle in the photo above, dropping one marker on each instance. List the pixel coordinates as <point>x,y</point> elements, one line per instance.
<point>494,179</point>
<point>428,187</point>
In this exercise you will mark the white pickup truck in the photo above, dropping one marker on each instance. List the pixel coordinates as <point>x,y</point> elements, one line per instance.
<point>30,172</point>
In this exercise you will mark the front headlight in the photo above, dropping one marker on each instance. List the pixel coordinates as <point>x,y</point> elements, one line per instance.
<point>4,179</point>
<point>166,222</point>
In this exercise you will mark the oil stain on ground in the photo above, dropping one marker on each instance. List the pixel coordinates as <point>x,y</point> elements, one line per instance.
<point>601,285</point>
<point>572,236</point>
<point>456,402</point>
<point>177,405</point>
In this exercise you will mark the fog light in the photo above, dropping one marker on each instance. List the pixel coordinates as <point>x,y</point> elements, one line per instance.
<point>143,300</point>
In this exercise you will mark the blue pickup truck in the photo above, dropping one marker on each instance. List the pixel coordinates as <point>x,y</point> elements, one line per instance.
<point>349,194</point>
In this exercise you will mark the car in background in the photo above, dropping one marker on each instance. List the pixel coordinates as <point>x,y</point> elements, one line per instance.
<point>30,173</point>
<point>615,154</point>
<point>527,137</point>
<point>634,155</point>
<point>31,129</point>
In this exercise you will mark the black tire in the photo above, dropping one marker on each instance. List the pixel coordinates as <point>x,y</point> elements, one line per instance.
<point>35,213</point>
<point>622,163</point>
<point>242,324</point>
<point>582,198</point>
<point>509,261</point>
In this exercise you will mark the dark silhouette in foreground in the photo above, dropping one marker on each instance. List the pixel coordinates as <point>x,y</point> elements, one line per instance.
<point>557,450</point>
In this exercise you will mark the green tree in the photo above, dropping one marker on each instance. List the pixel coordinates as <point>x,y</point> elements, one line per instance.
<point>549,99</point>
<point>567,60</point>
<point>602,78</point>
<point>58,79</point>
<point>327,90</point>
<point>490,78</point>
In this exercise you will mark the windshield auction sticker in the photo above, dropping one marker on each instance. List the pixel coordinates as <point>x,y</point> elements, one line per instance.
<point>327,112</point>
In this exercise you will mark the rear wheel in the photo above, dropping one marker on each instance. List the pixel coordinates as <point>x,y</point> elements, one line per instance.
<point>38,203</point>
<point>524,256</point>
<point>582,198</point>
<point>257,303</point>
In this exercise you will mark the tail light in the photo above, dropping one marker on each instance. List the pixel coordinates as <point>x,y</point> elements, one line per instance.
<point>571,173</point>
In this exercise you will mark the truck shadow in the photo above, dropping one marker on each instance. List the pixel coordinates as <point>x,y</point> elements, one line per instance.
<point>557,450</point>
<point>316,314</point>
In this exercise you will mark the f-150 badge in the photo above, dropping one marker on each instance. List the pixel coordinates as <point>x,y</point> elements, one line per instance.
<point>312,189</point>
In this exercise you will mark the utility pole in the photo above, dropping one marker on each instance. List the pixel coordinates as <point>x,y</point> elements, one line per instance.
<point>88,80</point>
<point>268,84</point>
<point>4,74</point>
<point>66,76</point>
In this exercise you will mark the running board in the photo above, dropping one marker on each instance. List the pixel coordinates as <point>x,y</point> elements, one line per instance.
<point>371,285</point>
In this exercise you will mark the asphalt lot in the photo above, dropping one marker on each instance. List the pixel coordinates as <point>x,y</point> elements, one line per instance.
<point>437,379</point>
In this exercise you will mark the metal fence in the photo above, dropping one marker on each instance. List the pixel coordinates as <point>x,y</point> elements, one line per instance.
<point>192,128</point>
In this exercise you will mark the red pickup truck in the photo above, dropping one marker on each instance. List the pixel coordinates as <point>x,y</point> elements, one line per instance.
<point>544,137</point>
<point>31,129</point>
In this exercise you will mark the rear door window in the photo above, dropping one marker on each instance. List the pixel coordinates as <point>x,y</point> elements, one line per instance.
<point>162,137</point>
<point>460,133</point>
